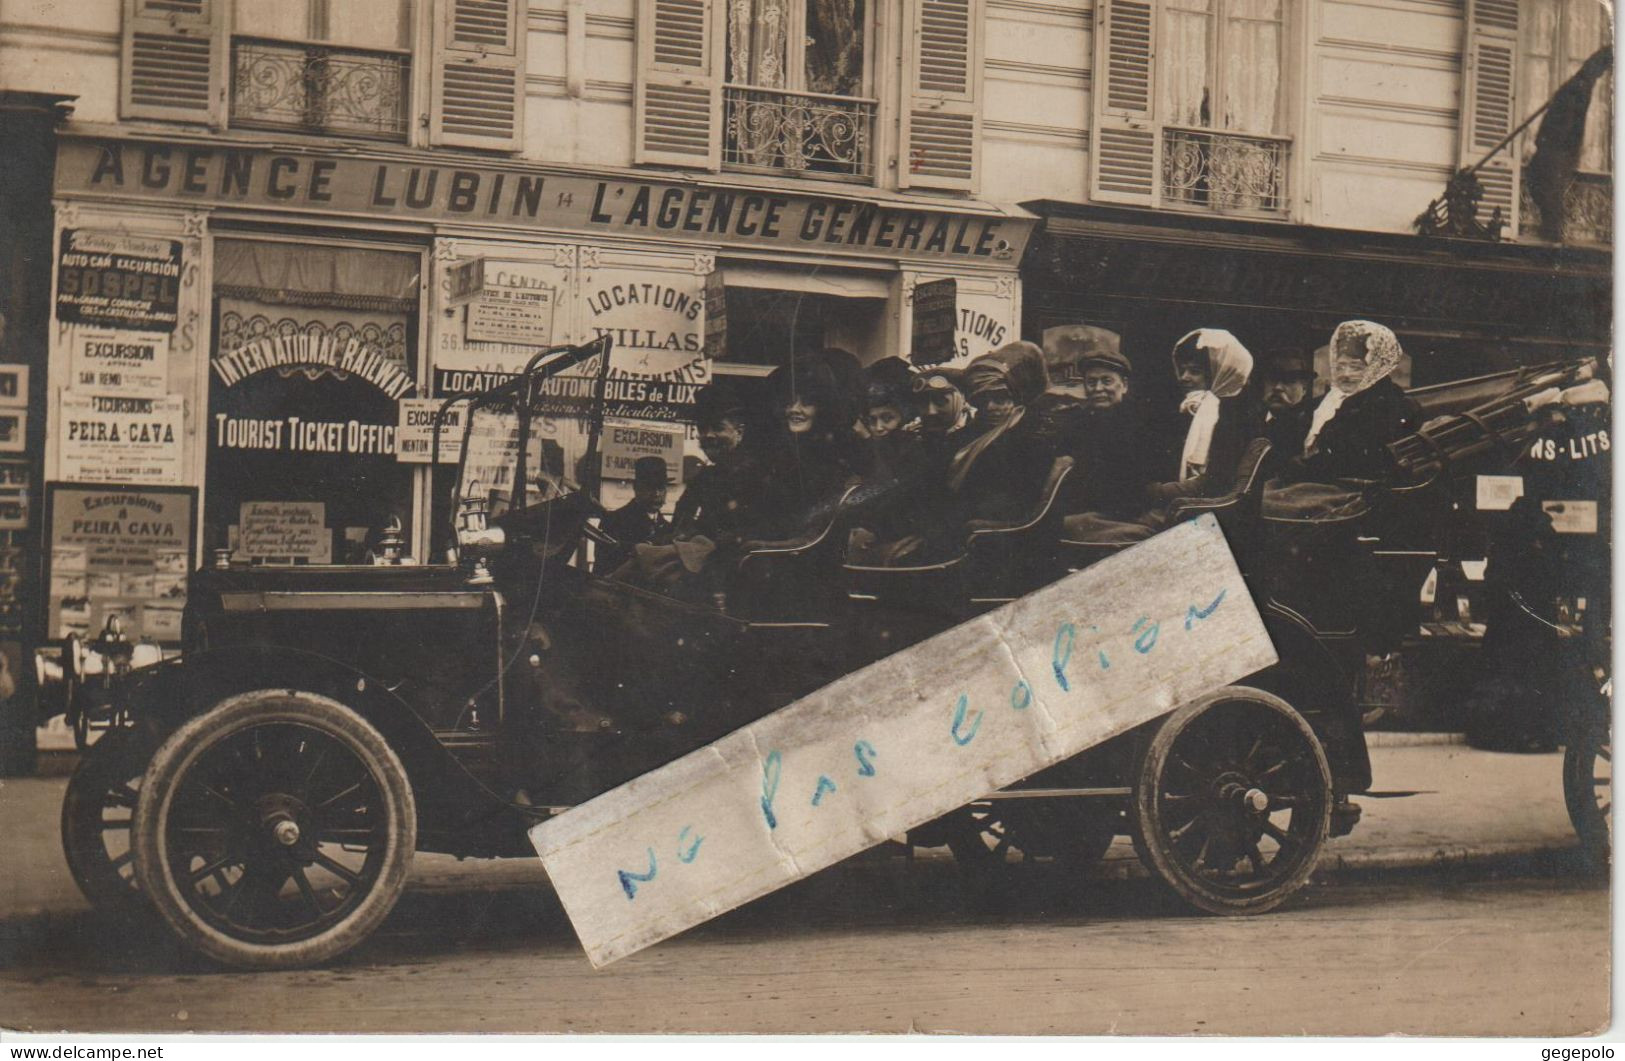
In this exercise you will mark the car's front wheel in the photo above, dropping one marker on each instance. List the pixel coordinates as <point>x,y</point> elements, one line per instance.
<point>274,830</point>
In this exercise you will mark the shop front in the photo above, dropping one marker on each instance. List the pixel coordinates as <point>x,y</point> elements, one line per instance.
<point>269,332</point>
<point>1460,307</point>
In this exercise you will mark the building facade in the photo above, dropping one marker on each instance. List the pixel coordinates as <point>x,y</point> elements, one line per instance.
<point>279,232</point>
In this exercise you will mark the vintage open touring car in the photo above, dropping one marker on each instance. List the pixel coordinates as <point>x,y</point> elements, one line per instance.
<point>265,791</point>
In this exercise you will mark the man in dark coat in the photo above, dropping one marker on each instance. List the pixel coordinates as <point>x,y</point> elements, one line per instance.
<point>639,521</point>
<point>1113,460</point>
<point>1286,384</point>
<point>719,502</point>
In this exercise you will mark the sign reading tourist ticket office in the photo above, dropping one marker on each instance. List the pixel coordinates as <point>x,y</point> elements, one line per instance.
<point>284,180</point>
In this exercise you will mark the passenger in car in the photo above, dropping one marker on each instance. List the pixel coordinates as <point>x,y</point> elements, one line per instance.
<point>898,508</point>
<point>1212,367</point>
<point>1362,413</point>
<point>719,502</point>
<point>1114,461</point>
<point>998,472</point>
<point>812,454</point>
<point>640,520</point>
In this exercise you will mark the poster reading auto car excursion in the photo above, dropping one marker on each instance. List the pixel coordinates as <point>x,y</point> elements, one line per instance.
<point>118,281</point>
<point>118,550</point>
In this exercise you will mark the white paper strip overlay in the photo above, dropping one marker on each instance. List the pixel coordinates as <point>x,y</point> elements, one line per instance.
<point>905,740</point>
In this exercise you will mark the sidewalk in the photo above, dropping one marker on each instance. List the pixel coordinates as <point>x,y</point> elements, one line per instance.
<point>1473,807</point>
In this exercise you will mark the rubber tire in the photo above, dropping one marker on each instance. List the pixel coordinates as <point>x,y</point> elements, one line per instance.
<point>231,715</point>
<point>1145,819</point>
<point>115,757</point>
<point>1579,759</point>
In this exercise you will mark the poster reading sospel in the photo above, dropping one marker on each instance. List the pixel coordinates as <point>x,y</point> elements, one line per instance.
<point>118,280</point>
<point>115,439</point>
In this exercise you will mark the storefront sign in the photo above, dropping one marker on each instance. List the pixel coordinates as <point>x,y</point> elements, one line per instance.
<point>935,303</point>
<point>325,350</point>
<point>294,434</point>
<point>128,363</point>
<point>120,440</point>
<point>625,444</point>
<point>284,530</point>
<point>528,199</point>
<point>414,436</point>
<point>118,550</point>
<point>657,319</point>
<point>118,281</point>
<point>513,306</point>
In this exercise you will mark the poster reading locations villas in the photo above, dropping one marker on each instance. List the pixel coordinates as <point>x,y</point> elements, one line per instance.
<point>118,281</point>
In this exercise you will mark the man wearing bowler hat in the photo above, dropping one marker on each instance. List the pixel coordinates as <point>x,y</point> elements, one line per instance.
<point>1286,385</point>
<point>638,522</point>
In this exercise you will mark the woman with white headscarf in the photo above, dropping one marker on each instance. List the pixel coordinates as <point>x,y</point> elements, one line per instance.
<point>1213,367</point>
<point>1363,412</point>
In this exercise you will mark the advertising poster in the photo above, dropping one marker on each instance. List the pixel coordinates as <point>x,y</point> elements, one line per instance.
<point>935,302</point>
<point>13,495</point>
<point>285,531</point>
<point>514,306</point>
<point>491,344</point>
<point>13,430</point>
<point>119,439</point>
<point>624,444</point>
<point>118,281</point>
<point>129,363</point>
<point>657,318</point>
<point>118,550</point>
<point>414,436</point>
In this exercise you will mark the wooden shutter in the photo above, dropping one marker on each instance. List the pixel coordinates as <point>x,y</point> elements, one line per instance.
<point>678,98</point>
<point>1125,144</point>
<point>174,58</point>
<point>1489,104</point>
<point>478,79</point>
<point>942,119</point>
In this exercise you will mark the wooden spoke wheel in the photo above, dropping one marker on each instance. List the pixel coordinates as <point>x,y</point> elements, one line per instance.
<point>1234,802</point>
<point>1072,831</point>
<point>1588,788</point>
<point>97,812</point>
<point>275,830</point>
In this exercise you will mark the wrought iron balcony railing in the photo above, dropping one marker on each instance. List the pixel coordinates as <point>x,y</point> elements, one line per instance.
<point>799,132</point>
<point>1588,210</point>
<point>1227,173</point>
<point>317,88</point>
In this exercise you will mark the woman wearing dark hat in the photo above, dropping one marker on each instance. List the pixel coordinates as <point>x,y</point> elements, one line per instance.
<point>997,474</point>
<point>899,513</point>
<point>812,455</point>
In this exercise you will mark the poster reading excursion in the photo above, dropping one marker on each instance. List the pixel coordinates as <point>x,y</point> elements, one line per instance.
<point>118,281</point>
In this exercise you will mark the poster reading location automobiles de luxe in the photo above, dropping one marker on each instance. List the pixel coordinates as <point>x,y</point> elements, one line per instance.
<point>119,551</point>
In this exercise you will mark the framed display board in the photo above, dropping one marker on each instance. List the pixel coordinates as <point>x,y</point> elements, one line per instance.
<point>118,550</point>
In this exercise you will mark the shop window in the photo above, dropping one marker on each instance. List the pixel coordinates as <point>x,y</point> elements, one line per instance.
<point>1555,38</point>
<point>314,347</point>
<point>1191,105</point>
<point>771,327</point>
<point>321,67</point>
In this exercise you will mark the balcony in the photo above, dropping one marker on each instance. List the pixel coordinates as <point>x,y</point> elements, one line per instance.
<point>1225,173</point>
<point>1588,211</point>
<point>316,88</point>
<point>772,131</point>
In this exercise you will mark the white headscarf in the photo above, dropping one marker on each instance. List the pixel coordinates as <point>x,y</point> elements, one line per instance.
<point>1381,350</point>
<point>1228,366</point>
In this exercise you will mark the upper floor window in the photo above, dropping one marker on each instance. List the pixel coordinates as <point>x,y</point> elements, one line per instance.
<point>322,66</point>
<point>336,67</point>
<point>1557,37</point>
<point>796,93</point>
<point>1191,105</point>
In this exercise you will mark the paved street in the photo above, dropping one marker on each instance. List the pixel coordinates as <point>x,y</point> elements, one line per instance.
<point>1458,911</point>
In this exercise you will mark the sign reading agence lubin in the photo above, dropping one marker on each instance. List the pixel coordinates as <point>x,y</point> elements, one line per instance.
<point>280,179</point>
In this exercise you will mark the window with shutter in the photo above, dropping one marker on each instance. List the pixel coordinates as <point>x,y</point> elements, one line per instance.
<point>174,61</point>
<point>1489,99</point>
<point>1124,146</point>
<point>479,74</point>
<point>678,100</point>
<point>941,120</point>
<point>1556,38</point>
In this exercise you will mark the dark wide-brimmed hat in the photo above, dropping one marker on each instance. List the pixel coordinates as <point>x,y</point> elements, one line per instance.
<point>1287,367</point>
<point>720,400</point>
<point>1070,347</point>
<point>649,471</point>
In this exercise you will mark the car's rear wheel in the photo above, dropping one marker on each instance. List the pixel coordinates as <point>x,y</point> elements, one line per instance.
<point>1588,788</point>
<point>275,830</point>
<point>1234,802</point>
